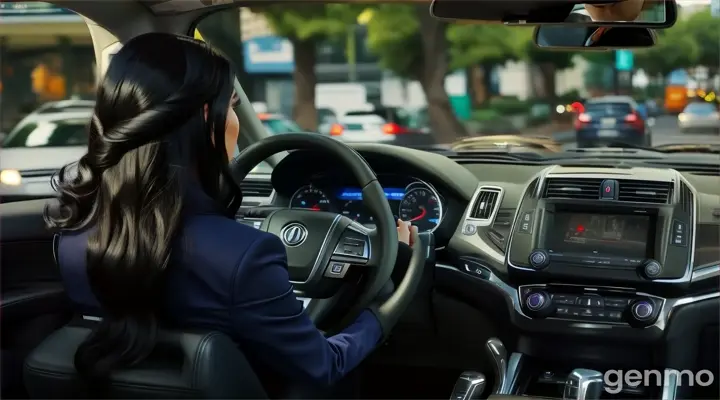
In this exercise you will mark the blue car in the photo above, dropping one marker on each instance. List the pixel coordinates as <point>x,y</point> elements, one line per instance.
<point>612,120</point>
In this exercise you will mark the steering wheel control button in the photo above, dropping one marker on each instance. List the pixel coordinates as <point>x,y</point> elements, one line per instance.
<point>336,269</point>
<point>652,269</point>
<point>526,222</point>
<point>609,189</point>
<point>469,229</point>
<point>535,301</point>
<point>679,235</point>
<point>539,259</point>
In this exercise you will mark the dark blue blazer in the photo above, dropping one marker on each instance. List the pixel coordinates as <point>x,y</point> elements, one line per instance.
<point>233,278</point>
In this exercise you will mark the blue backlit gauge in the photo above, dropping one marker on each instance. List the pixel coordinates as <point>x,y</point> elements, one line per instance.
<point>355,210</point>
<point>310,198</point>
<point>422,207</point>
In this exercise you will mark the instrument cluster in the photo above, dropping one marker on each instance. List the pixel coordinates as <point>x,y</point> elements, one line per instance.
<point>416,201</point>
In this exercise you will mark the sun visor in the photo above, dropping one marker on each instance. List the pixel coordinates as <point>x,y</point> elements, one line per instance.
<point>105,58</point>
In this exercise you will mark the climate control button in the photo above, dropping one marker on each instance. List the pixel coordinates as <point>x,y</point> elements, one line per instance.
<point>539,259</point>
<point>538,304</point>
<point>535,301</point>
<point>642,310</point>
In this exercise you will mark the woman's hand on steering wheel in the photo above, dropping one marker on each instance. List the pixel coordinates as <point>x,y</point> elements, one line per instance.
<point>404,232</point>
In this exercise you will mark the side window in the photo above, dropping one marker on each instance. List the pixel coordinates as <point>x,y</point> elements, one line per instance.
<point>46,77</point>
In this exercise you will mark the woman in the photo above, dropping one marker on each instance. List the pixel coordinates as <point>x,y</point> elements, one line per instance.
<point>148,230</point>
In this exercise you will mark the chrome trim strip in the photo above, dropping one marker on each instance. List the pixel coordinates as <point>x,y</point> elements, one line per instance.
<point>669,385</point>
<point>513,372</point>
<point>710,272</point>
<point>305,300</point>
<point>540,177</point>
<point>513,295</point>
<point>691,245</point>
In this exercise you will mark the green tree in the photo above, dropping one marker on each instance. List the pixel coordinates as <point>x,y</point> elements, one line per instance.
<point>306,25</point>
<point>547,64</point>
<point>702,27</point>
<point>413,45</point>
<point>675,48</point>
<point>479,48</point>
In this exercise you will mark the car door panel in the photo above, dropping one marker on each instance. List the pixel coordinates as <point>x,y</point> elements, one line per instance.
<point>33,302</point>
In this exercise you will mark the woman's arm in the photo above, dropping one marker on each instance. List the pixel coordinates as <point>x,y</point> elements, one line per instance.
<point>272,324</point>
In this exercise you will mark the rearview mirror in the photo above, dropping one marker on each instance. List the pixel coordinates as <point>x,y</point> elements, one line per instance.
<point>574,37</point>
<point>642,13</point>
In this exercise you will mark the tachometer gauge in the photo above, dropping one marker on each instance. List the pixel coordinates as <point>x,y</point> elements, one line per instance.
<point>421,207</point>
<point>310,198</point>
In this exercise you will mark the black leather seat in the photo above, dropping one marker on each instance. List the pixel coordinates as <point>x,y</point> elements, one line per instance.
<point>184,365</point>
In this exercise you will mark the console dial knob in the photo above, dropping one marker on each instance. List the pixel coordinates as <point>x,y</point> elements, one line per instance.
<point>539,259</point>
<point>642,310</point>
<point>652,269</point>
<point>536,301</point>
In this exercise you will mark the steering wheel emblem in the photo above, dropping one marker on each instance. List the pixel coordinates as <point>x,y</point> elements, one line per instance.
<point>294,234</point>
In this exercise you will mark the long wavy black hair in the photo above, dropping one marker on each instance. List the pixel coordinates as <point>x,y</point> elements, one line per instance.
<point>158,126</point>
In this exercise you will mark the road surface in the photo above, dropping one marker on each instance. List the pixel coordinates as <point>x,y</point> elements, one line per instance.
<point>665,131</point>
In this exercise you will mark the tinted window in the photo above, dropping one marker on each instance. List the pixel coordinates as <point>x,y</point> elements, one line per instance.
<point>49,134</point>
<point>608,109</point>
<point>281,126</point>
<point>700,108</point>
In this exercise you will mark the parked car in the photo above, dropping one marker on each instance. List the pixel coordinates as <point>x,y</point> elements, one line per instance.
<point>699,116</point>
<point>326,119</point>
<point>380,125</point>
<point>39,145</point>
<point>612,119</point>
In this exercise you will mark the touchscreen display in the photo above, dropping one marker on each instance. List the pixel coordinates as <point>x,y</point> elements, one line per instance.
<point>601,234</point>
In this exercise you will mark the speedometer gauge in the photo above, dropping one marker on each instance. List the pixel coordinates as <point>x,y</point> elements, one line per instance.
<point>310,198</point>
<point>422,208</point>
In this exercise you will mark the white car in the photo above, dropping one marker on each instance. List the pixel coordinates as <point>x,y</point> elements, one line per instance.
<point>699,116</point>
<point>39,145</point>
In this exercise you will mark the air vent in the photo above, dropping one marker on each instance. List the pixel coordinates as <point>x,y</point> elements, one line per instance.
<point>256,188</point>
<point>486,203</point>
<point>686,198</point>
<point>572,188</point>
<point>644,191</point>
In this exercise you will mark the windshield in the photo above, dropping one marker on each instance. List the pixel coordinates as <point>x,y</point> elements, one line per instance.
<point>496,82</point>
<point>57,133</point>
<point>370,59</point>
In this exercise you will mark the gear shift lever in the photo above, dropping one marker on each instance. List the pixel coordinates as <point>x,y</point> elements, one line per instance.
<point>498,353</point>
<point>583,384</point>
<point>469,386</point>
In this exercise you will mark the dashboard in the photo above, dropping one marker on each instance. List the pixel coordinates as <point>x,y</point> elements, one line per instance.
<point>632,238</point>
<point>580,254</point>
<point>409,198</point>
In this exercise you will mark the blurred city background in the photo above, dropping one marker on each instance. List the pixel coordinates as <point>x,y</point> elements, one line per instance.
<point>383,72</point>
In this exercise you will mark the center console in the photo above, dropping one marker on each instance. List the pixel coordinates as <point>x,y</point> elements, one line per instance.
<point>604,230</point>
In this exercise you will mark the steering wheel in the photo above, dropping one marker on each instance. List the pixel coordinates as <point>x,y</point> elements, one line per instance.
<point>325,250</point>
